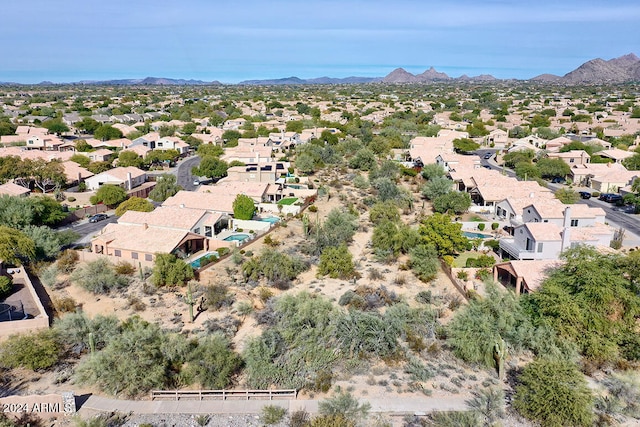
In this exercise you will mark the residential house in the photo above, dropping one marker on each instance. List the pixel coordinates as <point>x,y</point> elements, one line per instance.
<point>43,142</point>
<point>11,189</point>
<point>126,177</point>
<point>603,177</point>
<point>546,240</point>
<point>258,172</point>
<point>100,155</point>
<point>573,157</point>
<point>221,203</point>
<point>616,154</point>
<point>172,143</point>
<point>497,138</point>
<point>193,220</point>
<point>531,142</point>
<point>257,190</point>
<point>140,243</point>
<point>524,276</point>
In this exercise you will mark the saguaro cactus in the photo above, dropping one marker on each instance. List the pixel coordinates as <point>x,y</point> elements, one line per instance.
<point>499,355</point>
<point>188,298</point>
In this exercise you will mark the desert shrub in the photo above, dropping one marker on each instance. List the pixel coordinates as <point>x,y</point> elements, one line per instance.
<point>346,405</point>
<point>483,274</point>
<point>6,287</point>
<point>364,334</point>
<point>554,393</point>
<point>67,261</point>
<point>278,268</point>
<point>375,274</point>
<point>474,330</point>
<point>453,419</point>
<point>99,277</point>
<point>227,326</point>
<point>313,209</point>
<point>338,228</point>
<point>381,211</point>
<point>624,391</point>
<point>217,296</point>
<point>293,346</point>
<point>489,404</point>
<point>75,329</point>
<point>35,351</point>
<point>492,243</point>
<point>424,297</point>
<point>64,304</point>
<point>375,297</point>
<point>337,262</point>
<point>264,293</point>
<point>299,418</point>
<point>424,262</point>
<point>124,268</point>
<point>170,270</point>
<point>481,226</point>
<point>272,414</point>
<point>482,261</point>
<point>331,421</point>
<point>462,275</point>
<point>140,359</point>
<point>49,276</point>
<point>212,364</point>
<point>270,241</point>
<point>494,226</point>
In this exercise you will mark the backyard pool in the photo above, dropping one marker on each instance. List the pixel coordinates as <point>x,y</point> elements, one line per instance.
<point>237,237</point>
<point>271,219</point>
<point>198,262</point>
<point>472,235</point>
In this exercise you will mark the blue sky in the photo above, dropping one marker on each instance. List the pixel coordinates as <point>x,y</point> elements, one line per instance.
<point>72,40</point>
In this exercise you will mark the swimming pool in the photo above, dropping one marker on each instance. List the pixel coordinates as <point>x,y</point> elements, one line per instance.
<point>198,262</point>
<point>238,237</point>
<point>472,235</point>
<point>271,219</point>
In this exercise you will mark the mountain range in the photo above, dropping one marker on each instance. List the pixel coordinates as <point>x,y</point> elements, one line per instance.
<point>596,71</point>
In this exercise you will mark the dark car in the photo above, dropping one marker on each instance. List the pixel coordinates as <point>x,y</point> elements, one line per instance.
<point>611,197</point>
<point>557,180</point>
<point>488,155</point>
<point>98,217</point>
<point>585,194</point>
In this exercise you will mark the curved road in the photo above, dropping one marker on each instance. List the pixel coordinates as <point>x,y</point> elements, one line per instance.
<point>183,172</point>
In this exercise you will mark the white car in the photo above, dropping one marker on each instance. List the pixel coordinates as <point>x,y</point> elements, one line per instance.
<point>196,182</point>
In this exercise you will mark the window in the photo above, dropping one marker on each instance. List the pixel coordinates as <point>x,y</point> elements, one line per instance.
<point>539,247</point>
<point>574,222</point>
<point>572,160</point>
<point>117,252</point>
<point>134,255</point>
<point>148,257</point>
<point>196,230</point>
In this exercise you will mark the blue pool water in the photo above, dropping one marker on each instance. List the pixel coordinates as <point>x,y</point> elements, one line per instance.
<point>238,237</point>
<point>472,235</point>
<point>271,219</point>
<point>195,264</point>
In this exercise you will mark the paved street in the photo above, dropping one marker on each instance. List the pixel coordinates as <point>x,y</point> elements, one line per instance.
<point>183,172</point>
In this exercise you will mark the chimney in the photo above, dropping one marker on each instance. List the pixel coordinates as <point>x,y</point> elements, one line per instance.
<point>145,226</point>
<point>181,205</point>
<point>129,181</point>
<point>532,195</point>
<point>566,230</point>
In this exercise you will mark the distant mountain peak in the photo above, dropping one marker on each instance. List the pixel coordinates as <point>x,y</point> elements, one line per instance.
<point>617,70</point>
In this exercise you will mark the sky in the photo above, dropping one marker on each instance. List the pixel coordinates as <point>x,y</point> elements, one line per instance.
<point>230,41</point>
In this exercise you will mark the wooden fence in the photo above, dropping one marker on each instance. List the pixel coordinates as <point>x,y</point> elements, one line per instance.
<point>223,394</point>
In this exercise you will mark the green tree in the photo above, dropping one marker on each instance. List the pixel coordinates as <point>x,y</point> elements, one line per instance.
<point>134,204</point>
<point>81,160</point>
<point>515,157</point>
<point>166,186</point>
<point>553,168</point>
<point>129,158</point>
<point>46,240</point>
<point>88,125</point>
<point>444,235</point>
<point>230,137</point>
<point>465,145</point>
<point>211,150</point>
<point>453,202</point>
<point>339,227</point>
<point>243,207</point>
<point>15,246</point>
<point>382,211</point>
<point>211,167</point>
<point>433,170</point>
<point>527,171</point>
<point>554,393</point>
<point>106,133</point>
<point>110,195</point>
<point>337,262</point>
<point>567,196</point>
<point>56,126</point>
<point>364,159</point>
<point>170,271</point>
<point>278,268</point>
<point>294,126</point>
<point>437,187</point>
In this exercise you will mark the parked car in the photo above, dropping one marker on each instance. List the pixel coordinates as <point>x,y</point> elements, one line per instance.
<point>98,217</point>
<point>557,180</point>
<point>488,156</point>
<point>585,194</point>
<point>611,197</point>
<point>196,182</point>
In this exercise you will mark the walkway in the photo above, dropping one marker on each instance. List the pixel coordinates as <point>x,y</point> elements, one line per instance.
<point>395,405</point>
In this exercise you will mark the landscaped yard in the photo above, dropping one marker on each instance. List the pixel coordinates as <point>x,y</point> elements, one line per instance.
<point>288,201</point>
